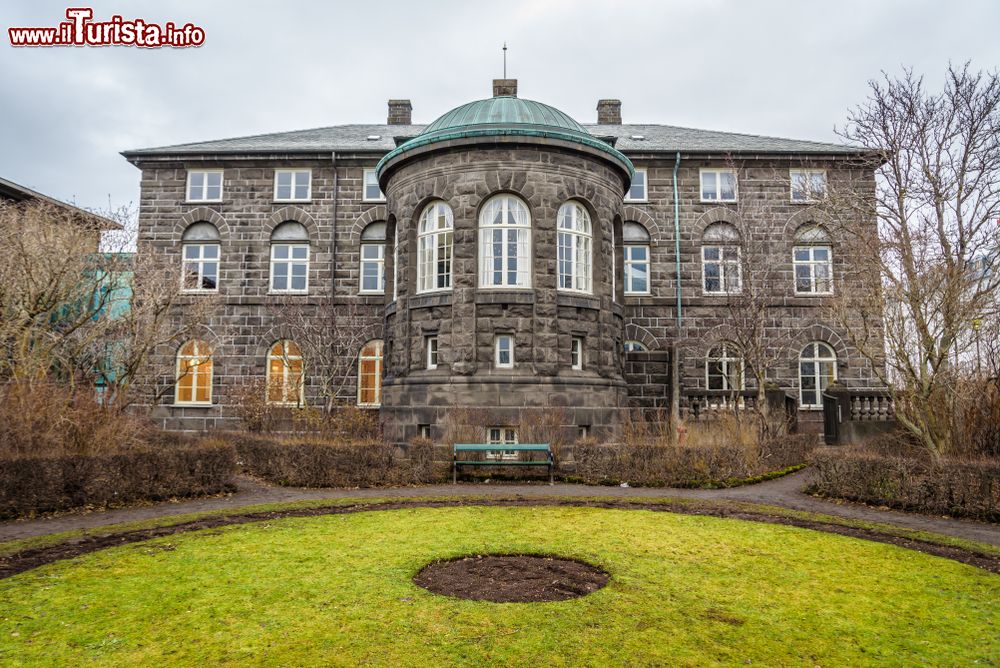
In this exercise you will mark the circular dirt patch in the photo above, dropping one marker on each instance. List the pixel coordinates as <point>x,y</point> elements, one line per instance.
<point>511,578</point>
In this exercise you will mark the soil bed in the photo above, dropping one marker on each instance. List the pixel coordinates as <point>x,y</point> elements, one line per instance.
<point>511,578</point>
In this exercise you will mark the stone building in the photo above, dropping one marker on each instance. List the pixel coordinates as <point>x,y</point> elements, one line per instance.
<point>504,256</point>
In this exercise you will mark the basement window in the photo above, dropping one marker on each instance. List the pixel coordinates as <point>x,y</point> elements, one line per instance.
<point>501,436</point>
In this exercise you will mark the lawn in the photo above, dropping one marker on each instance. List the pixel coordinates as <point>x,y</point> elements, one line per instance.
<point>337,590</point>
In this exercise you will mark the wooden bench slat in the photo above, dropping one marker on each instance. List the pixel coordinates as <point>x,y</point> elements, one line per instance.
<point>549,461</point>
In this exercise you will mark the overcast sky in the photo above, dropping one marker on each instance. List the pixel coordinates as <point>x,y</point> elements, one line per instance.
<point>789,68</point>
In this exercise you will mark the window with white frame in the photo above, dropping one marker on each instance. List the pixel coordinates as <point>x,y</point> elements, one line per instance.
<point>432,352</point>
<point>193,383</point>
<point>634,347</point>
<point>812,259</point>
<point>372,255</point>
<point>292,185</point>
<point>435,242</point>
<point>503,351</point>
<point>817,371</point>
<point>284,374</point>
<point>718,185</point>
<point>720,260</point>
<point>289,258</point>
<point>204,185</point>
<point>505,243</point>
<point>576,353</point>
<point>395,262</point>
<point>501,436</point>
<point>573,247</point>
<point>372,192</point>
<point>637,190</point>
<point>636,263</point>
<point>200,258</point>
<point>370,375</point>
<point>808,185</point>
<point>724,368</point>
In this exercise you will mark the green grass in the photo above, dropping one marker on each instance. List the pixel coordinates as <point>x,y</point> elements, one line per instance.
<point>337,590</point>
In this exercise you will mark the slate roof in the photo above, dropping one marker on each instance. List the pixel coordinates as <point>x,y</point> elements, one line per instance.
<point>355,138</point>
<point>15,192</point>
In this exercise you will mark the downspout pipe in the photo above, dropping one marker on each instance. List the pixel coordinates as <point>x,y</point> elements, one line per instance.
<point>677,244</point>
<point>675,375</point>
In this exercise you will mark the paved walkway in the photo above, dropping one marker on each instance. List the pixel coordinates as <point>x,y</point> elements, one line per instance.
<point>785,492</point>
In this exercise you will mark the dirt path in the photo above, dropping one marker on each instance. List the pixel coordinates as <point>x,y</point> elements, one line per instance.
<point>784,492</point>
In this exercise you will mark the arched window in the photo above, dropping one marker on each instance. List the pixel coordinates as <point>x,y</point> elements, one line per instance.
<point>724,368</point>
<point>505,243</point>
<point>812,258</point>
<point>634,346</point>
<point>720,259</point>
<point>373,259</point>
<point>290,258</point>
<point>817,369</point>
<point>284,374</point>
<point>200,253</point>
<point>434,248</point>
<point>573,247</point>
<point>194,374</point>
<point>370,374</point>
<point>636,240</point>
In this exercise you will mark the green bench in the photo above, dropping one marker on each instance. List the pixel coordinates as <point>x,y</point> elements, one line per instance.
<point>500,459</point>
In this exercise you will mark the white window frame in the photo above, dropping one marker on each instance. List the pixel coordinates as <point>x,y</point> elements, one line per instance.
<point>379,362</point>
<point>501,436</point>
<point>295,174</point>
<point>200,262</point>
<point>524,240</point>
<point>576,353</point>
<point>187,185</point>
<point>432,352</point>
<point>194,386</point>
<point>729,355</point>
<point>379,262</point>
<point>808,173</point>
<point>290,262</point>
<point>285,373</point>
<point>364,187</point>
<point>629,262</point>
<point>812,263</point>
<point>716,173</point>
<point>645,186</point>
<point>722,269</point>
<point>816,361</point>
<point>429,248</point>
<point>496,351</point>
<point>579,247</point>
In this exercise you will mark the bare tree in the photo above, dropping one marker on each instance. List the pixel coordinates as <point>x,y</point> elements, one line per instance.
<point>924,228</point>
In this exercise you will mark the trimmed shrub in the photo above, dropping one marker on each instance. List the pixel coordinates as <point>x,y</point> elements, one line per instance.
<point>31,485</point>
<point>958,487</point>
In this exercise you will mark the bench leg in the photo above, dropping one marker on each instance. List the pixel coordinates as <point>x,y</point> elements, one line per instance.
<point>551,480</point>
<point>454,473</point>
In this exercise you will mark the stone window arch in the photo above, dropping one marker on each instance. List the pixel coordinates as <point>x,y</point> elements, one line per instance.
<point>289,258</point>
<point>505,243</point>
<point>193,382</point>
<point>372,259</point>
<point>370,374</point>
<point>573,247</point>
<point>200,255</point>
<point>285,380</point>
<point>435,246</point>
<point>817,371</point>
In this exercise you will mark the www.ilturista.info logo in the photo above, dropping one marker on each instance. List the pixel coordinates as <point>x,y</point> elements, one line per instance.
<point>80,30</point>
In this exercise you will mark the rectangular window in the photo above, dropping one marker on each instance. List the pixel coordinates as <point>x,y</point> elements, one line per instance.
<point>576,353</point>
<point>718,185</point>
<point>501,436</point>
<point>813,270</point>
<point>808,185</point>
<point>432,352</point>
<point>504,357</point>
<point>372,193</point>
<point>204,185</point>
<point>424,430</point>
<point>637,191</point>
<point>372,268</point>
<point>289,267</point>
<point>292,185</point>
<point>721,269</point>
<point>583,431</point>
<point>637,270</point>
<point>201,268</point>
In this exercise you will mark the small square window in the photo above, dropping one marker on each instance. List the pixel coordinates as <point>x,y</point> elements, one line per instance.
<point>583,431</point>
<point>576,353</point>
<point>808,185</point>
<point>292,185</point>
<point>204,186</point>
<point>372,192</point>
<point>637,191</point>
<point>718,185</point>
<point>425,431</point>
<point>432,352</point>
<point>504,358</point>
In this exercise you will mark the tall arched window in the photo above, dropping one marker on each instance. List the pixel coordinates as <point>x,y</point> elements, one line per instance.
<point>573,247</point>
<point>200,252</point>
<point>284,374</point>
<point>636,260</point>
<point>812,258</point>
<point>370,375</point>
<point>817,370</point>
<point>720,259</point>
<point>194,373</point>
<point>373,259</point>
<point>724,368</point>
<point>434,248</point>
<point>505,243</point>
<point>290,258</point>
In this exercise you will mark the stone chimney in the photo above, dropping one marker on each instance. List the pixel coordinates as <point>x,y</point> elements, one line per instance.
<point>609,112</point>
<point>505,87</point>
<point>399,112</point>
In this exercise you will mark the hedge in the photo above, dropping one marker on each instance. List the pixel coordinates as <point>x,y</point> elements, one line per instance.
<point>962,488</point>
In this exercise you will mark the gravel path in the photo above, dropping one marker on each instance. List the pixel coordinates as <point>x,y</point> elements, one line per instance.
<point>784,492</point>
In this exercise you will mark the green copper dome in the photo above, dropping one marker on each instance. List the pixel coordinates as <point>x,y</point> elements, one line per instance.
<point>505,116</point>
